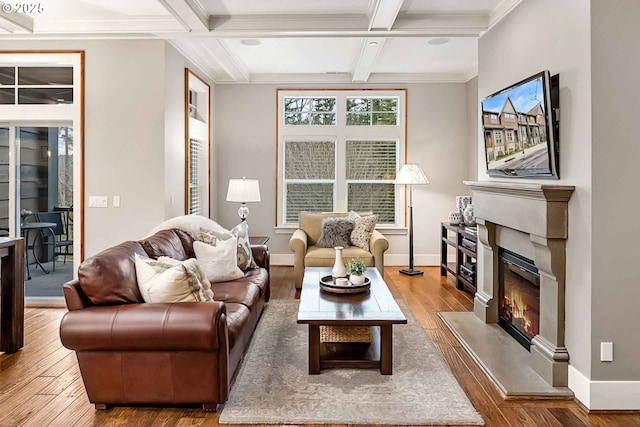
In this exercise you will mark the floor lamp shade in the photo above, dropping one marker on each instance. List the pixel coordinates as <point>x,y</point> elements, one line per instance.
<point>243,191</point>
<point>411,174</point>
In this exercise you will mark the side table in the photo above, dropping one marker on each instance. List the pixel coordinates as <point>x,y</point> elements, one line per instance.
<point>258,240</point>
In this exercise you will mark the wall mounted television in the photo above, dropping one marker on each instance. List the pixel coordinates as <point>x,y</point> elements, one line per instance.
<point>520,127</point>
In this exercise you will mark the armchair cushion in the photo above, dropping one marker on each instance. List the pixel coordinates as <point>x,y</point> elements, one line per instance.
<point>335,232</point>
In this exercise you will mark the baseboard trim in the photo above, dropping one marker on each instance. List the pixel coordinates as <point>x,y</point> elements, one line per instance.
<point>604,395</point>
<point>391,260</point>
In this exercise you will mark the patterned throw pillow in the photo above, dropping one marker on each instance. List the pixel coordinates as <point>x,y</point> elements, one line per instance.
<point>171,281</point>
<point>241,233</point>
<point>335,232</point>
<point>364,226</point>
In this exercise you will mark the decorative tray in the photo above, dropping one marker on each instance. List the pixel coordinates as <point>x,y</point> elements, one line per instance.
<point>326,284</point>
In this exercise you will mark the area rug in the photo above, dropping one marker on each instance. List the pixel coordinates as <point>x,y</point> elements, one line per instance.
<point>273,386</point>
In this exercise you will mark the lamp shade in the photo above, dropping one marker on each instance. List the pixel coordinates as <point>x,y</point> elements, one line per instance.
<point>411,174</point>
<point>243,190</point>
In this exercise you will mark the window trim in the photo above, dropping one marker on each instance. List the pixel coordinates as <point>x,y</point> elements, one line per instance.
<point>350,133</point>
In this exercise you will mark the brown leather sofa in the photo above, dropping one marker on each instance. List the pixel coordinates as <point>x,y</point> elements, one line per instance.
<point>131,352</point>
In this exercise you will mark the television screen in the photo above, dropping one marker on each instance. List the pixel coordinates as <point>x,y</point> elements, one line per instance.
<point>519,129</point>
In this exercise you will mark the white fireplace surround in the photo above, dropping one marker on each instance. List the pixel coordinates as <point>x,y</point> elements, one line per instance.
<point>531,220</point>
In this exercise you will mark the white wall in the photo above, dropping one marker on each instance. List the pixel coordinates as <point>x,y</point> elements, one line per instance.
<point>436,140</point>
<point>473,129</point>
<point>132,125</point>
<point>615,54</point>
<point>553,35</point>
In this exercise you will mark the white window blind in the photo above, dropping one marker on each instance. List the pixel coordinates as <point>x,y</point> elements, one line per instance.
<point>196,157</point>
<point>371,170</point>
<point>309,177</point>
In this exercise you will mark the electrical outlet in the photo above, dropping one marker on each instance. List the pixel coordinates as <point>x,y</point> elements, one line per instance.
<point>116,201</point>
<point>606,352</point>
<point>98,201</point>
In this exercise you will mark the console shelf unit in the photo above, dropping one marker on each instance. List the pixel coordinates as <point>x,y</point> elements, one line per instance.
<point>464,240</point>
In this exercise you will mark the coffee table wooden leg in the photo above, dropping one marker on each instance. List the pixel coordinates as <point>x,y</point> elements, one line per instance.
<point>386,346</point>
<point>314,349</point>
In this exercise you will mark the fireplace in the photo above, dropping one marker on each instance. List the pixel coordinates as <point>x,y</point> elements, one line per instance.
<point>519,297</point>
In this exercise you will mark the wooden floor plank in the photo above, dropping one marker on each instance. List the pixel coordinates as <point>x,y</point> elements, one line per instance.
<point>41,384</point>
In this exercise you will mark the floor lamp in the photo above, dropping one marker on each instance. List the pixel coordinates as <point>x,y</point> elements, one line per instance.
<point>411,174</point>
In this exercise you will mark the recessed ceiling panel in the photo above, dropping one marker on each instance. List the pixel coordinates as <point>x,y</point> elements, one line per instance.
<point>450,6</point>
<point>100,9</point>
<point>299,55</point>
<point>270,7</point>
<point>416,55</point>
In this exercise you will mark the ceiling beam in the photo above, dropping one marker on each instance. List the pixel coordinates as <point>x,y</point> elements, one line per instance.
<point>190,13</point>
<point>384,14</point>
<point>405,25</point>
<point>13,21</point>
<point>371,48</point>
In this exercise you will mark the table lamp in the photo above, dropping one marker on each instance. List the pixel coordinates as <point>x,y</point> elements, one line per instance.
<point>244,191</point>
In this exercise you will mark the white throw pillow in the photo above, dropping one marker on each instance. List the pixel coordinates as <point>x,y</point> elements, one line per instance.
<point>219,263</point>
<point>241,233</point>
<point>164,282</point>
<point>190,224</point>
<point>194,267</point>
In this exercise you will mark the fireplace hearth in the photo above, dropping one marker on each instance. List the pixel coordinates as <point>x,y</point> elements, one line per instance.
<point>519,297</point>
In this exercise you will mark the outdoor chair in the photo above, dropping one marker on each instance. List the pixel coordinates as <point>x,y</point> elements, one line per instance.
<point>56,237</point>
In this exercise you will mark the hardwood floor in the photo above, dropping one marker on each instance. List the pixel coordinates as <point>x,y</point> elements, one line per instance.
<point>41,384</point>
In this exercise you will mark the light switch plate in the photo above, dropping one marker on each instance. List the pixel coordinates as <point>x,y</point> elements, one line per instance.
<point>606,352</point>
<point>98,201</point>
<point>116,201</point>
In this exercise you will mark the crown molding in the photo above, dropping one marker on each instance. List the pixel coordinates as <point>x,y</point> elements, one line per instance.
<point>12,22</point>
<point>501,10</point>
<point>149,25</point>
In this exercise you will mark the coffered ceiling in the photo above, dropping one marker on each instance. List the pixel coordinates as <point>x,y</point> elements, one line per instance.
<point>285,41</point>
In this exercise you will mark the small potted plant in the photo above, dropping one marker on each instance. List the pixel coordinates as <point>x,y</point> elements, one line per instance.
<point>356,269</point>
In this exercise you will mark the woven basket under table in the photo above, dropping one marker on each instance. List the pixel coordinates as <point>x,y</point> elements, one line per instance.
<point>345,334</point>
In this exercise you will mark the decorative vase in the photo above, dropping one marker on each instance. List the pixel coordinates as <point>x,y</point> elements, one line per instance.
<point>469,216</point>
<point>356,280</point>
<point>461,204</point>
<point>339,270</point>
<point>454,218</point>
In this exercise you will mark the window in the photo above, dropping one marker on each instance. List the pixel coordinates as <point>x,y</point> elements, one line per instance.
<point>310,168</point>
<point>309,111</point>
<point>371,170</point>
<point>510,117</point>
<point>497,137</point>
<point>372,111</point>
<point>494,118</point>
<point>197,101</point>
<point>340,151</point>
<point>36,85</point>
<point>509,136</point>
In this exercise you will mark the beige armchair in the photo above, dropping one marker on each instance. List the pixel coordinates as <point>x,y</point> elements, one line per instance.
<point>306,254</point>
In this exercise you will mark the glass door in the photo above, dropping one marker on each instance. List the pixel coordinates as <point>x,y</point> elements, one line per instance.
<point>36,201</point>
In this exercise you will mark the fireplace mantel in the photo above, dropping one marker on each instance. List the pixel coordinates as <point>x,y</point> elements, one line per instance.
<point>532,220</point>
<point>539,209</point>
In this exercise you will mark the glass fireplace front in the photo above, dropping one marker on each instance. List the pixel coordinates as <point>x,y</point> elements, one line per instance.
<point>519,297</point>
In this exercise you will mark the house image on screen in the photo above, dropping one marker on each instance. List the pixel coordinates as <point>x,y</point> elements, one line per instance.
<point>508,131</point>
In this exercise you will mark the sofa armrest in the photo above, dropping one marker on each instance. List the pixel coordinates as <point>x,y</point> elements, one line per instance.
<point>378,245</point>
<point>261,255</point>
<point>74,296</point>
<point>145,327</point>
